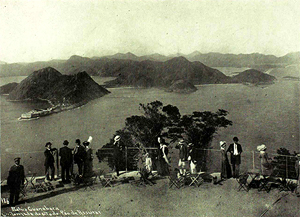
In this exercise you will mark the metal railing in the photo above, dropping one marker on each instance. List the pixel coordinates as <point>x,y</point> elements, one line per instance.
<point>283,165</point>
<point>33,162</point>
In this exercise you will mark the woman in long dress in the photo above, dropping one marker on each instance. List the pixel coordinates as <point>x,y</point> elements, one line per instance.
<point>266,166</point>
<point>88,160</point>
<point>225,167</point>
<point>162,158</point>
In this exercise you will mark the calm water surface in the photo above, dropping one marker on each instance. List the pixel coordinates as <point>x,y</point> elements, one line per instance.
<point>268,115</point>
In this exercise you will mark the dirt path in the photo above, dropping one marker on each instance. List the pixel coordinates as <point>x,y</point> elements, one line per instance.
<point>159,200</point>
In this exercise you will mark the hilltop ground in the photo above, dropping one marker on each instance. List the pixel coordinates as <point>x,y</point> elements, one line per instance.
<point>131,200</point>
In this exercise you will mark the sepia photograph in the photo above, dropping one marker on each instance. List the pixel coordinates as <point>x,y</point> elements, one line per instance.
<point>150,108</point>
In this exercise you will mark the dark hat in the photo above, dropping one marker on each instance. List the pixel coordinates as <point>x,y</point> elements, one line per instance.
<point>17,158</point>
<point>48,143</point>
<point>235,139</point>
<point>77,141</point>
<point>85,143</point>
<point>66,142</point>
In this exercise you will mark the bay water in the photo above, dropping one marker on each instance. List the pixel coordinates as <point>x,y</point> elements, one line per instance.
<point>260,114</point>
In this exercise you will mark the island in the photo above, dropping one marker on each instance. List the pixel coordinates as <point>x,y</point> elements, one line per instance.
<point>62,92</point>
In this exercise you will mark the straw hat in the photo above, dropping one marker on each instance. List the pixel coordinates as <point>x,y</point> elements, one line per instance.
<point>261,147</point>
<point>222,144</point>
<point>117,138</point>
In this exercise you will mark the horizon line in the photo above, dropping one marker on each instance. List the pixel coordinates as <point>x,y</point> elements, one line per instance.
<point>129,52</point>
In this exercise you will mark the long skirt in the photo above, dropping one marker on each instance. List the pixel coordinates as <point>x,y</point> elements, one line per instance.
<point>162,167</point>
<point>226,169</point>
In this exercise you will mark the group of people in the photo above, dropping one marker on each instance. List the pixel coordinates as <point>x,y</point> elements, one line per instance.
<point>229,168</point>
<point>80,155</point>
<point>188,156</point>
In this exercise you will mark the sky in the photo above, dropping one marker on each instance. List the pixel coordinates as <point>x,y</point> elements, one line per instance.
<point>37,30</point>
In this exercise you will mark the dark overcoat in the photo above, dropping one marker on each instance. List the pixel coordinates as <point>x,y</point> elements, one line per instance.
<point>66,156</point>
<point>16,177</point>
<point>49,158</point>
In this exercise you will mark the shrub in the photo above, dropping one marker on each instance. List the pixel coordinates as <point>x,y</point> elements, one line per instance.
<point>166,121</point>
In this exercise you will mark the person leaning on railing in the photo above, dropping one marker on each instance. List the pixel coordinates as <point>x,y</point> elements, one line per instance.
<point>266,166</point>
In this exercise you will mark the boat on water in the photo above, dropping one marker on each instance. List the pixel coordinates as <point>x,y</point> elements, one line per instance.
<point>36,113</point>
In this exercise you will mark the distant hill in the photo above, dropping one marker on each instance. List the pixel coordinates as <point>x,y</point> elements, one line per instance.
<point>252,76</point>
<point>291,71</point>
<point>291,58</point>
<point>182,86</point>
<point>7,88</point>
<point>233,60</point>
<point>49,84</point>
<point>103,66</point>
<point>127,56</point>
<point>25,69</point>
<point>163,74</point>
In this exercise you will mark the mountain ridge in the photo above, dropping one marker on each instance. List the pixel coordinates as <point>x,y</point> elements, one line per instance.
<point>94,65</point>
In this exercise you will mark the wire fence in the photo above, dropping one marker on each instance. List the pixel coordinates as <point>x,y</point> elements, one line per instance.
<point>284,165</point>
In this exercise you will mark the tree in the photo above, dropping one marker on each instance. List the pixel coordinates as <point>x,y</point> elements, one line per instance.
<point>166,121</point>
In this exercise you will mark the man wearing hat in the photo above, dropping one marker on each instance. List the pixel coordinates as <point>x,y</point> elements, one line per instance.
<point>66,159</point>
<point>235,150</point>
<point>49,161</point>
<point>79,157</point>
<point>15,179</point>
<point>183,157</point>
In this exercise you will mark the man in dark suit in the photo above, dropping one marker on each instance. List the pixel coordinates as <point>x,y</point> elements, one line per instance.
<point>49,161</point>
<point>15,180</point>
<point>235,150</point>
<point>79,157</point>
<point>66,159</point>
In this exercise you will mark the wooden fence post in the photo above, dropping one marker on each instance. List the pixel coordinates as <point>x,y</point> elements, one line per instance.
<point>253,161</point>
<point>286,167</point>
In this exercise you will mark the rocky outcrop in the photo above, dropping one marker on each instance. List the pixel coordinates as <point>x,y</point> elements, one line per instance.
<point>49,84</point>
<point>182,86</point>
<point>253,76</point>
